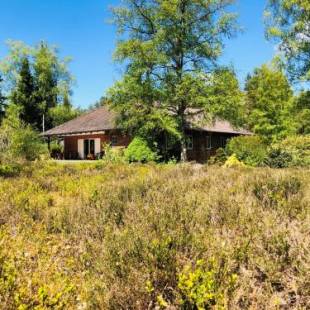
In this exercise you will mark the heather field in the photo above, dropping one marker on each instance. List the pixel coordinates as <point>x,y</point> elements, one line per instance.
<point>119,236</point>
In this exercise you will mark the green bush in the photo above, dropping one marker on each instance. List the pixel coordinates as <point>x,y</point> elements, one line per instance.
<point>291,152</point>
<point>249,149</point>
<point>278,158</point>
<point>19,141</point>
<point>202,287</point>
<point>113,154</point>
<point>219,158</point>
<point>233,162</point>
<point>9,170</point>
<point>139,151</point>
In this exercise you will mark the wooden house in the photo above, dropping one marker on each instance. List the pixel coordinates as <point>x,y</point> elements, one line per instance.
<point>85,136</point>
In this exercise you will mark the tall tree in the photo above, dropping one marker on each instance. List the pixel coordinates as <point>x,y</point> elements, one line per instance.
<point>170,48</point>
<point>46,81</point>
<point>269,97</point>
<point>288,21</point>
<point>63,112</point>
<point>23,95</point>
<point>52,79</point>
<point>301,112</point>
<point>2,101</point>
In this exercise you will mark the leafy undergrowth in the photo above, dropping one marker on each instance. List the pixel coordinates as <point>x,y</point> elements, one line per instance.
<point>145,236</point>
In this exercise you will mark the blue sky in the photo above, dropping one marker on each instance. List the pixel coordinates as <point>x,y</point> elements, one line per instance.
<point>81,30</point>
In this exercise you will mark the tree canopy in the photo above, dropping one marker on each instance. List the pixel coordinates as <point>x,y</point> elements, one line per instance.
<point>288,22</point>
<point>170,49</point>
<point>38,81</point>
<point>269,97</point>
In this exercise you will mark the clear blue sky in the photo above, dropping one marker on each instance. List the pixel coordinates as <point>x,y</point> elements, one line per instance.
<point>80,29</point>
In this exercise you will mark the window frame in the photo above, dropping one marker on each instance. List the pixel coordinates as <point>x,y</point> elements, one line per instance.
<point>209,142</point>
<point>115,142</point>
<point>189,142</point>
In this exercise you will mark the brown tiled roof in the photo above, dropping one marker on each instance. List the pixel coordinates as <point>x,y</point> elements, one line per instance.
<point>93,121</point>
<point>196,121</point>
<point>218,126</point>
<point>103,119</point>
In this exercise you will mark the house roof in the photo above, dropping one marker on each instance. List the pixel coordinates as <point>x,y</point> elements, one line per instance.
<point>103,119</point>
<point>93,121</point>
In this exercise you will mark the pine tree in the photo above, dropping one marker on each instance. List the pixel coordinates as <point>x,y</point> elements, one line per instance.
<point>24,96</point>
<point>45,74</point>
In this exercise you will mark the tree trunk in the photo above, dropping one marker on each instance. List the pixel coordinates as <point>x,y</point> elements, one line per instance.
<point>183,150</point>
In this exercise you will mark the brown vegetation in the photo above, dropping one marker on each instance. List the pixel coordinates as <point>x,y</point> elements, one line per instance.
<point>143,236</point>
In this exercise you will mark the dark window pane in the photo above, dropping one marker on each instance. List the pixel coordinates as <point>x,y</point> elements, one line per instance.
<point>86,147</point>
<point>92,147</point>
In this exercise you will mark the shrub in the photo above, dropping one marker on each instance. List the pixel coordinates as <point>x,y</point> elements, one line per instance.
<point>9,170</point>
<point>113,154</point>
<point>278,158</point>
<point>249,149</point>
<point>291,152</point>
<point>233,162</point>
<point>19,141</point>
<point>119,236</point>
<point>219,158</point>
<point>203,286</point>
<point>139,151</point>
<point>275,192</point>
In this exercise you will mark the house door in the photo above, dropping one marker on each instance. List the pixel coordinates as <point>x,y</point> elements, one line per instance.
<point>89,148</point>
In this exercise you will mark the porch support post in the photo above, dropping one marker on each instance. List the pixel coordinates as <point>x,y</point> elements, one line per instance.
<point>49,143</point>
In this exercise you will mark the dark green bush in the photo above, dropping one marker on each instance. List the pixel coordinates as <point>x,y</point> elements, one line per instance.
<point>139,151</point>
<point>249,149</point>
<point>219,158</point>
<point>278,158</point>
<point>291,152</point>
<point>9,170</point>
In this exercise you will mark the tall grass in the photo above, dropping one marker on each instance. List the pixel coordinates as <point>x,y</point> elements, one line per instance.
<point>145,236</point>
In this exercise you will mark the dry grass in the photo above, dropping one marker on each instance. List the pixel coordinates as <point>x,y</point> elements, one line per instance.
<point>143,236</point>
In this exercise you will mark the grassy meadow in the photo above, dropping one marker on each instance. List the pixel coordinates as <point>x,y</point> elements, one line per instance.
<point>119,236</point>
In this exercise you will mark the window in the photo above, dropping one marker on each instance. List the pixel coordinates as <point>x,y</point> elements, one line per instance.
<point>208,143</point>
<point>114,140</point>
<point>223,141</point>
<point>189,142</point>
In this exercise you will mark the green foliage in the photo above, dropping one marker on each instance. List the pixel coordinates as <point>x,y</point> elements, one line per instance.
<point>2,100</point>
<point>168,47</point>
<point>17,140</point>
<point>288,23</point>
<point>23,96</point>
<point>113,154</point>
<point>139,151</point>
<point>249,149</point>
<point>293,151</point>
<point>9,170</point>
<point>63,113</point>
<point>201,287</point>
<point>278,158</point>
<point>301,113</point>
<point>38,80</point>
<point>219,158</point>
<point>233,162</point>
<point>268,96</point>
